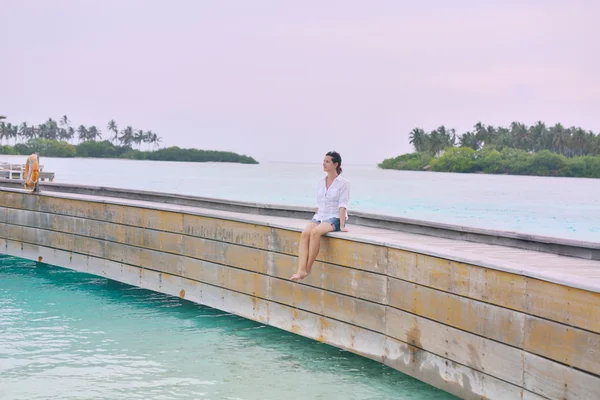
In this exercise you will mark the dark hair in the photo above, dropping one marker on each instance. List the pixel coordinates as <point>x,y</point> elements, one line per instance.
<point>336,158</point>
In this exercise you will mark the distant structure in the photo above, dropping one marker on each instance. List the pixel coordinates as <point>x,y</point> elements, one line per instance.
<point>2,117</point>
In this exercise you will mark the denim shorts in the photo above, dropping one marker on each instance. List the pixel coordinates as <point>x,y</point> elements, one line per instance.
<point>335,222</point>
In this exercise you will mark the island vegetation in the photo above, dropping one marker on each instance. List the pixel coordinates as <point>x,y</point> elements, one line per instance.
<point>61,139</point>
<point>518,150</point>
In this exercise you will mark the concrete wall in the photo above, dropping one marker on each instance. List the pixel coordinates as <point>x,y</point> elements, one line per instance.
<point>547,244</point>
<point>472,331</point>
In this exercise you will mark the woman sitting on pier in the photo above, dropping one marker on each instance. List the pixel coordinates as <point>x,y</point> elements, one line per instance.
<point>333,196</point>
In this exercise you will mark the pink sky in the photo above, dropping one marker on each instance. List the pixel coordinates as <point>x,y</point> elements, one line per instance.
<point>290,80</point>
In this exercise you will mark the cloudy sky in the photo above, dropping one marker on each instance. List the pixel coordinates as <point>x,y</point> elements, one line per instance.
<point>290,80</point>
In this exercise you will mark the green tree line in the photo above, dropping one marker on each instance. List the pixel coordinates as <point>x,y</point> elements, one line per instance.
<point>570,142</point>
<point>491,161</point>
<point>518,150</point>
<point>60,139</point>
<point>64,131</point>
<point>105,149</point>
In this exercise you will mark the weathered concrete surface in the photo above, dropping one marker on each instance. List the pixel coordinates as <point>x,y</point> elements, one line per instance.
<point>477,320</point>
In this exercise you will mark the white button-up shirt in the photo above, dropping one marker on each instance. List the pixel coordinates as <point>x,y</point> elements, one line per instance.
<point>329,201</point>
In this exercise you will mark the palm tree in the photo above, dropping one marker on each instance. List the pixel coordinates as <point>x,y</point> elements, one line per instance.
<point>156,140</point>
<point>481,133</point>
<point>520,136</point>
<point>560,136</point>
<point>65,124</point>
<point>451,138</point>
<point>82,133</point>
<point>94,133</point>
<point>418,139</point>
<point>32,133</point>
<point>539,136</point>
<point>2,131</point>
<point>594,143</point>
<point>153,138</point>
<point>502,139</point>
<point>15,132</point>
<point>126,137</point>
<point>138,138</point>
<point>11,131</point>
<point>70,133</point>
<point>42,131</point>
<point>580,141</point>
<point>52,132</point>
<point>63,135</point>
<point>147,137</point>
<point>469,139</point>
<point>24,130</point>
<point>112,126</point>
<point>440,139</point>
<point>64,121</point>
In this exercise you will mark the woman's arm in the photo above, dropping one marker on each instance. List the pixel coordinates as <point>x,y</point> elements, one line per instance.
<point>343,220</point>
<point>343,205</point>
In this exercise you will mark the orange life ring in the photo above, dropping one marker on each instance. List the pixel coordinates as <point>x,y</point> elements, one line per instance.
<point>32,172</point>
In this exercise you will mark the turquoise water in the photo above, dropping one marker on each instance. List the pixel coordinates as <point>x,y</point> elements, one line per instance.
<point>561,207</point>
<point>69,335</point>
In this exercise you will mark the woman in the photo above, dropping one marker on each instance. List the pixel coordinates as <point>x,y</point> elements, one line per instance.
<point>333,195</point>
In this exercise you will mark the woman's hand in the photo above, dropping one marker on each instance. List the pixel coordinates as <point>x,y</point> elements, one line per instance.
<point>344,229</point>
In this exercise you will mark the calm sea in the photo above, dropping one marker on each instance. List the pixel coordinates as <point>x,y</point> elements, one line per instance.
<point>69,335</point>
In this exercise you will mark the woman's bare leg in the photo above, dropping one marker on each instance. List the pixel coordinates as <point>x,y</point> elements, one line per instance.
<point>314,245</point>
<point>302,272</point>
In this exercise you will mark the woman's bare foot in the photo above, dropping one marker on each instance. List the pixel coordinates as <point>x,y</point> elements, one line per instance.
<point>298,276</point>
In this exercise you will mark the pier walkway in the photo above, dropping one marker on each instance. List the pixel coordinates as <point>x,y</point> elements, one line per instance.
<point>481,314</point>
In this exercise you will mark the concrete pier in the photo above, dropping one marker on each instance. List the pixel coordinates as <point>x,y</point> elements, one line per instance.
<point>480,314</point>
